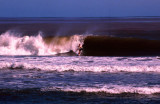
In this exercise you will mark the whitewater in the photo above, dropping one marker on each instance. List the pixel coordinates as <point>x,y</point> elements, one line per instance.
<point>12,44</point>
<point>82,64</point>
<point>119,63</point>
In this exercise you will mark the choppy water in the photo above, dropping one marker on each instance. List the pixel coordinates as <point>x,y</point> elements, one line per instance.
<point>71,79</point>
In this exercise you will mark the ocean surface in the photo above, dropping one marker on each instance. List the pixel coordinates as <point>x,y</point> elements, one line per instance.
<point>119,63</point>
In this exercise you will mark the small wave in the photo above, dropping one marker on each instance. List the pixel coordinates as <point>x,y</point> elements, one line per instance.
<point>108,89</point>
<point>37,96</point>
<point>80,68</point>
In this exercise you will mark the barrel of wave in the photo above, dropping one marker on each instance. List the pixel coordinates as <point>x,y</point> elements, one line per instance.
<point>63,44</point>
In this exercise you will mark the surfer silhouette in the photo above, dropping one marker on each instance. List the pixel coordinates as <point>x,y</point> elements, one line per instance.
<point>79,49</point>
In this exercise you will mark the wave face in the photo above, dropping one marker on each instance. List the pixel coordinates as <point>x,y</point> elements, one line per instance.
<point>12,44</point>
<point>117,46</point>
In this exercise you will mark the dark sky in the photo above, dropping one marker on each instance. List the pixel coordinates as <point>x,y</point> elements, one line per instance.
<point>79,8</point>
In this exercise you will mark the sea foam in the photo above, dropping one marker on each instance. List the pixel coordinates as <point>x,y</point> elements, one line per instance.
<point>79,68</point>
<point>13,44</point>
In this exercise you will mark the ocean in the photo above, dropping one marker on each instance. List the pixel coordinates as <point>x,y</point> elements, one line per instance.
<point>119,62</point>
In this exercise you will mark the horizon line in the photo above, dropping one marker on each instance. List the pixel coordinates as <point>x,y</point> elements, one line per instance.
<point>82,17</point>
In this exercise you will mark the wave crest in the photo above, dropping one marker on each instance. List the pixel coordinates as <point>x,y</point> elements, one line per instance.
<point>79,68</point>
<point>108,89</point>
<point>37,45</point>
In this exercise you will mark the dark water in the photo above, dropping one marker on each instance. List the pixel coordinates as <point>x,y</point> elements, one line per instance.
<point>34,96</point>
<point>122,27</point>
<point>39,62</point>
<point>27,88</point>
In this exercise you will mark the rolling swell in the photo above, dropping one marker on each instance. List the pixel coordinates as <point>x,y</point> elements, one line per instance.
<point>116,46</point>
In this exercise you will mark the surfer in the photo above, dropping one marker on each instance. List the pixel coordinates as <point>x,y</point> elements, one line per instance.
<point>79,49</point>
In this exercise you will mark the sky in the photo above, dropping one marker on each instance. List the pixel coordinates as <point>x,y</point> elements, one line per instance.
<point>79,8</point>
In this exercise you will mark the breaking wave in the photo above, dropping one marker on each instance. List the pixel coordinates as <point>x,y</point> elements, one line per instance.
<point>37,45</point>
<point>12,44</point>
<point>80,68</point>
<point>103,91</point>
<point>108,89</point>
